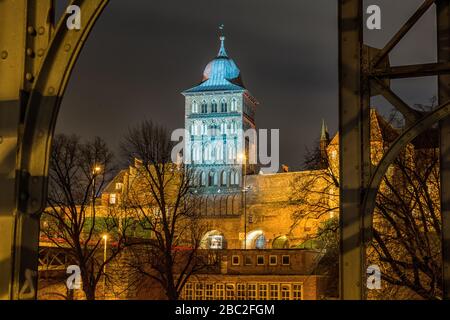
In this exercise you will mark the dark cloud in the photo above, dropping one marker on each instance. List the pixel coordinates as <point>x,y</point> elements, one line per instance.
<point>142,54</point>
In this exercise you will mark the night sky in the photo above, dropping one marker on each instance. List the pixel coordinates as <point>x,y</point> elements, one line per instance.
<point>142,54</point>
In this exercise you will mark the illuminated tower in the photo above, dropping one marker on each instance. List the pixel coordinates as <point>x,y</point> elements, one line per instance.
<point>217,113</point>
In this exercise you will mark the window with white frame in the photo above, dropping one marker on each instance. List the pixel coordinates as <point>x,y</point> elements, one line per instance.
<point>260,261</point>
<point>209,291</point>
<point>285,291</point>
<point>112,198</point>
<point>229,291</point>
<point>235,260</point>
<point>274,291</point>
<point>220,291</point>
<point>189,291</point>
<point>251,291</point>
<point>285,260</point>
<point>262,291</point>
<point>297,291</point>
<point>199,292</point>
<point>273,260</point>
<point>240,292</point>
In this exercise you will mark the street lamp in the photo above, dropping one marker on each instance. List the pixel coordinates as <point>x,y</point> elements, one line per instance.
<point>105,238</point>
<point>96,170</point>
<point>243,160</point>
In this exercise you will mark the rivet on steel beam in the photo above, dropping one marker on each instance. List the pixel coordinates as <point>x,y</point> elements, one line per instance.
<point>51,90</point>
<point>41,30</point>
<point>40,52</point>
<point>29,77</point>
<point>4,54</point>
<point>67,47</point>
<point>31,31</point>
<point>30,52</point>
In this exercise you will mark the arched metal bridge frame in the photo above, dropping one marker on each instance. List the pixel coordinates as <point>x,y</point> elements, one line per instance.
<point>36,61</point>
<point>364,72</point>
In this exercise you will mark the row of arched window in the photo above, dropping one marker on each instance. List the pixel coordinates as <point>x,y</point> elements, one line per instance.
<point>213,152</point>
<point>202,128</point>
<point>216,178</point>
<point>202,107</point>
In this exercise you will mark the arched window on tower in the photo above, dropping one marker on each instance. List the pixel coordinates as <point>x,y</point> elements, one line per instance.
<point>234,104</point>
<point>231,152</point>
<point>207,153</point>
<point>223,105</point>
<point>194,107</point>
<point>214,106</point>
<point>204,106</point>
<point>219,151</point>
<point>203,179</point>
<point>236,178</point>
<point>232,180</point>
<point>223,179</point>
<point>211,179</point>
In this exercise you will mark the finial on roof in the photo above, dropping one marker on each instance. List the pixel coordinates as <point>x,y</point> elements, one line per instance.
<point>324,132</point>
<point>222,51</point>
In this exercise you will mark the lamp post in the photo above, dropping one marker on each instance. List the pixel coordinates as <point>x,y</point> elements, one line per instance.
<point>95,171</point>
<point>243,159</point>
<point>105,239</point>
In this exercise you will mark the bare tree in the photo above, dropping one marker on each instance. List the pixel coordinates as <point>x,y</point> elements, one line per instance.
<point>77,174</point>
<point>159,196</point>
<point>407,223</point>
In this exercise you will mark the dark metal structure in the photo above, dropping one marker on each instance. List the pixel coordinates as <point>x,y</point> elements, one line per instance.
<point>36,60</point>
<point>364,72</point>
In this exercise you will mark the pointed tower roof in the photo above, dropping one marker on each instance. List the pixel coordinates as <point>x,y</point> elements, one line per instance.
<point>220,74</point>
<point>324,131</point>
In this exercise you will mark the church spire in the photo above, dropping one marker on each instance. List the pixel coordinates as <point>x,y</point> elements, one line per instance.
<point>324,136</point>
<point>222,51</point>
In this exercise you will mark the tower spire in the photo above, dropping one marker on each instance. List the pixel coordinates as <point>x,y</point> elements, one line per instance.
<point>324,136</point>
<point>222,51</point>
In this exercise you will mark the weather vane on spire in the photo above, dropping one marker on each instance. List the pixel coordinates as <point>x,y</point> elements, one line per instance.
<point>221,28</point>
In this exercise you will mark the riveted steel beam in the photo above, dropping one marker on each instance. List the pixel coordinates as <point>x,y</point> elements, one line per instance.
<point>351,137</point>
<point>13,36</point>
<point>443,39</point>
<point>412,71</point>
<point>43,69</point>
